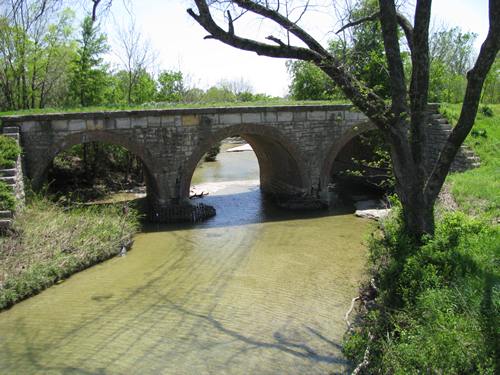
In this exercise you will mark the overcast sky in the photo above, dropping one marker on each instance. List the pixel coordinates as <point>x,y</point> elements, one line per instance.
<point>179,42</point>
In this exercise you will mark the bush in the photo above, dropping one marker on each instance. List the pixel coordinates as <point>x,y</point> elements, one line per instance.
<point>7,201</point>
<point>438,304</point>
<point>9,151</point>
<point>486,111</point>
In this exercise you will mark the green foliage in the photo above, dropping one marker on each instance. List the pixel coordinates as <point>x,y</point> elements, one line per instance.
<point>170,86</point>
<point>309,82</point>
<point>52,243</point>
<point>451,52</point>
<point>7,200</point>
<point>491,87</point>
<point>363,54</point>
<point>88,73</point>
<point>34,59</point>
<point>438,303</point>
<point>9,151</point>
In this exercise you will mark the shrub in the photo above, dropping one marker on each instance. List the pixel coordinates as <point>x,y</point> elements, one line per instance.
<point>9,151</point>
<point>438,304</point>
<point>7,201</point>
<point>486,111</point>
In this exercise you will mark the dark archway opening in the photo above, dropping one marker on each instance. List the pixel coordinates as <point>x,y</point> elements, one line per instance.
<point>96,171</point>
<point>362,169</point>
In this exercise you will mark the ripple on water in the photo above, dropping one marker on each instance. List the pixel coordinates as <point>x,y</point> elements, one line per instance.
<point>254,290</point>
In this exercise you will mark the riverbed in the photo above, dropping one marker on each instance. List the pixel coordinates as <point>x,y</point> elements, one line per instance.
<point>254,290</point>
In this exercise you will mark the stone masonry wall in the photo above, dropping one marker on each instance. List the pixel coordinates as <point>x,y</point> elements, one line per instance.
<point>295,145</point>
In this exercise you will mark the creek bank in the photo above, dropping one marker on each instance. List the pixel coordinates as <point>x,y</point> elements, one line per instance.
<point>48,243</point>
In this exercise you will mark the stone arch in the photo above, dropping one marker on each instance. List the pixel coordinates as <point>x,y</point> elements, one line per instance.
<point>337,147</point>
<point>282,167</point>
<point>74,139</point>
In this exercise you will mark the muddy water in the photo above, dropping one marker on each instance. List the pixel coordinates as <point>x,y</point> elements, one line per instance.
<point>255,290</point>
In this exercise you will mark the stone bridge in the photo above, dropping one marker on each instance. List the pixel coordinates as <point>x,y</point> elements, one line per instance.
<point>295,145</point>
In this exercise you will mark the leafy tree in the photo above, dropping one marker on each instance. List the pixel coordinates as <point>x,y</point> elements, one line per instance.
<point>309,82</point>
<point>170,86</point>
<point>450,53</point>
<point>35,48</point>
<point>89,76</point>
<point>402,120</point>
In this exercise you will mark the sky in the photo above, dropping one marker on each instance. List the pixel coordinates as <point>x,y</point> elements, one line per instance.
<point>179,45</point>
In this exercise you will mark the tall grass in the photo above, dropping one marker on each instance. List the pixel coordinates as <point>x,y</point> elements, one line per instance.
<point>49,243</point>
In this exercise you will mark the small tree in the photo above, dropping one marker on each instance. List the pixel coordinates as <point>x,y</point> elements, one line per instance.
<point>170,86</point>
<point>89,74</point>
<point>402,121</point>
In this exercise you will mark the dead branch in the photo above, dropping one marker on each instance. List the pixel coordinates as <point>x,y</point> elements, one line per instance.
<point>346,317</point>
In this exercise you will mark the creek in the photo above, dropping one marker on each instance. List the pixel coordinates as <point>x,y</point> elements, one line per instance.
<point>254,290</point>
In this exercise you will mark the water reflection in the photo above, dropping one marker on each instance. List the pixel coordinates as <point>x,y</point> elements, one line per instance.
<point>254,290</point>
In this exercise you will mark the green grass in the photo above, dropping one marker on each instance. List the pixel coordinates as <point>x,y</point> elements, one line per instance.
<point>437,306</point>
<point>272,102</point>
<point>477,191</point>
<point>49,243</point>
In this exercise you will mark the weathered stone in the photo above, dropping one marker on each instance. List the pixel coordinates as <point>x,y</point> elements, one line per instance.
<point>296,146</point>
<point>95,124</point>
<point>316,115</point>
<point>29,126</point>
<point>76,125</point>
<point>285,116</point>
<point>190,120</point>
<point>230,118</point>
<point>139,122</point>
<point>123,123</point>
<point>252,118</point>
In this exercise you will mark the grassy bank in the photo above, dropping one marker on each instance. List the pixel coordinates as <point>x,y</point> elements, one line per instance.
<point>435,309</point>
<point>477,191</point>
<point>48,243</point>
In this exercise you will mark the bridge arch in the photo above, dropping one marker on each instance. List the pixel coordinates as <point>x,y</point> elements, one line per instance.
<point>282,168</point>
<point>43,163</point>
<point>337,147</point>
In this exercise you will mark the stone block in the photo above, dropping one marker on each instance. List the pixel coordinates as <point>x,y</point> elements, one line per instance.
<point>230,118</point>
<point>351,116</point>
<point>29,126</point>
<point>316,115</point>
<point>335,115</point>
<point>95,124</point>
<point>77,125</point>
<point>109,123</point>
<point>190,120</point>
<point>251,118</point>
<point>139,122</point>
<point>270,117</point>
<point>285,116</point>
<point>123,123</point>
<point>154,120</point>
<point>170,120</point>
<point>299,116</point>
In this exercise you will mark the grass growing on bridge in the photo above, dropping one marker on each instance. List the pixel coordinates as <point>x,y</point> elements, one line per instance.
<point>264,103</point>
<point>49,243</point>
